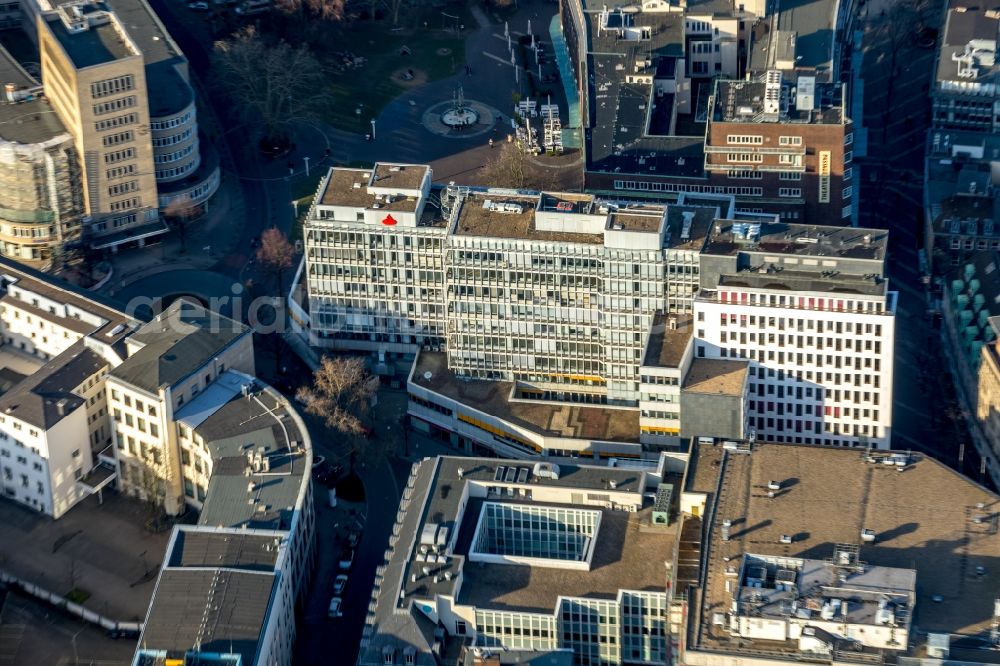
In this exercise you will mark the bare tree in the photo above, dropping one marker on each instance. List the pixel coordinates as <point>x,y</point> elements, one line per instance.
<point>341,394</point>
<point>395,6</point>
<point>323,10</point>
<point>274,84</point>
<point>179,213</point>
<point>276,254</point>
<point>507,168</point>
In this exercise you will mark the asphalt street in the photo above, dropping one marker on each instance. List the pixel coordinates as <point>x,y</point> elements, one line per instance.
<point>926,414</point>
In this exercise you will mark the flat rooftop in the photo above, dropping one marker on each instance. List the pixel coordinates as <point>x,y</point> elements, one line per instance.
<point>29,122</point>
<point>623,554</point>
<point>46,396</point>
<point>788,280</point>
<point>480,215</point>
<point>968,23</point>
<point>641,219</point>
<point>626,557</point>
<point>241,425</point>
<point>668,339</point>
<point>239,550</point>
<point>923,517</point>
<point>402,176</point>
<point>566,202</point>
<point>97,45</point>
<point>688,232</point>
<point>798,239</point>
<point>617,139</point>
<point>349,187</point>
<point>810,25</point>
<point>11,70</point>
<point>716,377</point>
<point>212,610</point>
<point>743,102</point>
<point>168,92</point>
<point>548,419</point>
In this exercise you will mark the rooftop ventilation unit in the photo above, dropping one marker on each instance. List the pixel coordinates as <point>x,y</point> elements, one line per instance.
<point>503,207</point>
<point>686,224</point>
<point>772,94</point>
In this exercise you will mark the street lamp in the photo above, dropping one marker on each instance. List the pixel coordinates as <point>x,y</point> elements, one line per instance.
<point>373,129</point>
<point>306,158</point>
<point>295,205</point>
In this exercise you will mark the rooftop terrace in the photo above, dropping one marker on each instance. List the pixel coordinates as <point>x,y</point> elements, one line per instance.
<point>548,419</point>
<point>746,102</point>
<point>716,377</point>
<point>496,215</point>
<point>349,187</point>
<point>668,339</point>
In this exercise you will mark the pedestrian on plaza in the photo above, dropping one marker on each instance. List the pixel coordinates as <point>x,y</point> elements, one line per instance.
<point>491,143</point>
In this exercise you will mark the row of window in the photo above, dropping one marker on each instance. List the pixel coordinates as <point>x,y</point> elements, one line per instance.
<point>163,158</point>
<point>173,122</point>
<point>116,122</point>
<point>120,172</point>
<point>173,139</point>
<point>123,188</point>
<point>113,86</point>
<point>118,139</point>
<point>119,155</point>
<point>114,105</point>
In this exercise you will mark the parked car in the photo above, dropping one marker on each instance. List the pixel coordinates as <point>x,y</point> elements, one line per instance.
<point>339,583</point>
<point>346,559</point>
<point>334,610</point>
<point>198,6</point>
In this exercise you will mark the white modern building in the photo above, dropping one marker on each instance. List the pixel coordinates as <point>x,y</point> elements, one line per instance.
<point>56,346</point>
<point>560,301</point>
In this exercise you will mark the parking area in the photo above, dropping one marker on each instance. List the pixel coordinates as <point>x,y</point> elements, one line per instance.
<point>34,633</point>
<point>104,552</point>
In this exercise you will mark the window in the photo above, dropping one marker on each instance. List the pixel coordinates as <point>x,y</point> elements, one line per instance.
<point>120,172</point>
<point>154,430</point>
<point>789,175</point>
<point>123,188</point>
<point>790,192</point>
<point>745,139</point>
<point>789,140</point>
<point>848,173</point>
<point>794,160</point>
<point>848,157</point>
<point>117,121</point>
<point>744,157</point>
<point>125,204</point>
<point>119,155</point>
<point>848,191</point>
<point>114,105</point>
<point>848,139</point>
<point>119,138</point>
<point>460,628</point>
<point>113,86</point>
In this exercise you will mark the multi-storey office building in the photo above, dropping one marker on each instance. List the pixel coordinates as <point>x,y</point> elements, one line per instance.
<point>961,197</point>
<point>170,360</point>
<point>120,85</point>
<point>41,199</point>
<point>56,346</point>
<point>811,310</point>
<point>539,558</point>
<point>643,124</point>
<point>787,143</point>
<point>554,289</point>
<point>806,553</point>
<point>557,296</point>
<point>966,90</point>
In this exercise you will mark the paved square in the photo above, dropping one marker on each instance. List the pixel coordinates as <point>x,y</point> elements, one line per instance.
<point>102,549</point>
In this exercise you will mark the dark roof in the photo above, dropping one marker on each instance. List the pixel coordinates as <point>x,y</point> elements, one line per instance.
<point>37,399</point>
<point>198,548</point>
<point>95,46</point>
<point>212,611</point>
<point>12,72</point>
<point>25,122</point>
<point>732,99</point>
<point>963,25</point>
<point>666,345</point>
<point>229,433</point>
<point>616,136</point>
<point>176,343</point>
<point>61,291</point>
